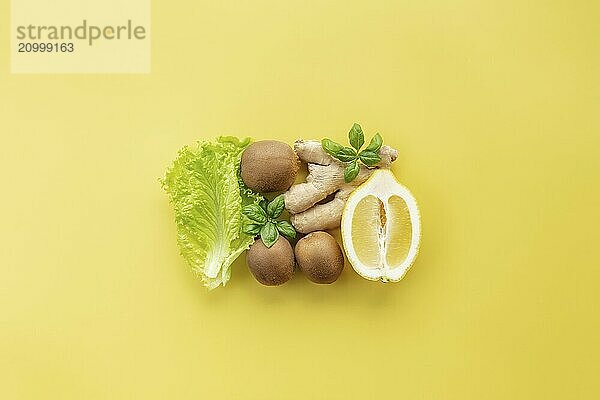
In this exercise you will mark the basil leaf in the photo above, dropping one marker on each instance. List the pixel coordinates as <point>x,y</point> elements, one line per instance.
<point>269,234</point>
<point>369,158</point>
<point>351,171</point>
<point>286,229</point>
<point>255,213</point>
<point>331,147</point>
<point>347,154</point>
<point>276,207</point>
<point>263,204</point>
<point>375,144</point>
<point>356,136</point>
<point>251,229</point>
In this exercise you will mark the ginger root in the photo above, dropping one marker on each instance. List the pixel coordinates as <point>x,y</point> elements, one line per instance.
<point>325,177</point>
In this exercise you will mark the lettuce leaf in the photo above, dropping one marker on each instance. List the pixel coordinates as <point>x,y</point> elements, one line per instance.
<point>207,193</point>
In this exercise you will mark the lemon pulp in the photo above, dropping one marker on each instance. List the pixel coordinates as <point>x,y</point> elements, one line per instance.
<point>381,232</point>
<point>399,233</point>
<point>366,231</point>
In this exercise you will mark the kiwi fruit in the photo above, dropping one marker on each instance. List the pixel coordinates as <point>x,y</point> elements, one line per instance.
<point>319,257</point>
<point>269,166</point>
<point>271,266</point>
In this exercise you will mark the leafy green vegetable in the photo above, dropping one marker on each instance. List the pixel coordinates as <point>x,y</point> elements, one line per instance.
<point>331,147</point>
<point>375,143</point>
<point>208,196</point>
<point>269,234</point>
<point>286,229</point>
<point>276,207</point>
<point>347,154</point>
<point>369,156</point>
<point>252,229</point>
<point>356,136</point>
<point>263,204</point>
<point>351,171</point>
<point>268,228</point>
<point>255,213</point>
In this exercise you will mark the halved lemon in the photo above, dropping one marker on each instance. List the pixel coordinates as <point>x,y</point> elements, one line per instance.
<point>381,228</point>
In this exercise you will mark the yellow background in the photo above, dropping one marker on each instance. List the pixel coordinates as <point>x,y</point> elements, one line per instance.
<point>494,107</point>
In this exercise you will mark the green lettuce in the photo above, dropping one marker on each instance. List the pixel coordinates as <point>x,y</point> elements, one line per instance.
<point>207,193</point>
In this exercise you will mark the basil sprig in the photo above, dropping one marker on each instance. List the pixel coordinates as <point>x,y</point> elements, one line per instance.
<point>353,155</point>
<point>263,221</point>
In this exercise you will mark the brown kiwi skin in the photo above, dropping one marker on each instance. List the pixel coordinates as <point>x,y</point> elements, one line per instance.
<point>320,257</point>
<point>272,266</point>
<point>269,166</point>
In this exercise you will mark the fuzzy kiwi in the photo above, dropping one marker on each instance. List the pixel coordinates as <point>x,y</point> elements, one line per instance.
<point>269,166</point>
<point>271,266</point>
<point>319,257</point>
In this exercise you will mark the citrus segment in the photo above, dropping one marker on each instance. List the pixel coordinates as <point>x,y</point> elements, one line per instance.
<point>399,235</point>
<point>365,239</point>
